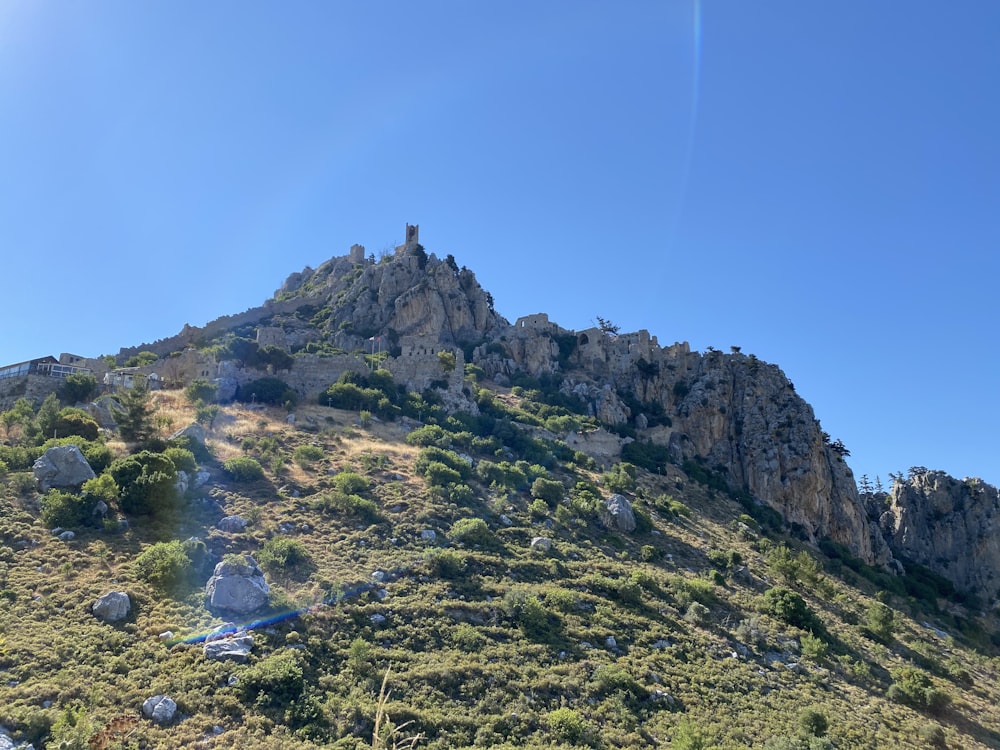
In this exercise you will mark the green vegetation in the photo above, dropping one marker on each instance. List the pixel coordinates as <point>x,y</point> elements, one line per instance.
<point>707,628</point>
<point>244,469</point>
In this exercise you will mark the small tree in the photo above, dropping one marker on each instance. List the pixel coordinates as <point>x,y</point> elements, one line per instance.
<point>447,360</point>
<point>135,418</point>
<point>880,621</point>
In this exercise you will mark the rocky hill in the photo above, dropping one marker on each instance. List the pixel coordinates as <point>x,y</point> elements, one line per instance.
<point>537,536</point>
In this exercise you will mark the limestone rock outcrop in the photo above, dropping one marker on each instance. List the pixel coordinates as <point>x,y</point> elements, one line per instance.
<point>235,647</point>
<point>949,525</point>
<point>160,709</point>
<point>62,466</point>
<point>112,607</point>
<point>618,514</point>
<point>237,587</point>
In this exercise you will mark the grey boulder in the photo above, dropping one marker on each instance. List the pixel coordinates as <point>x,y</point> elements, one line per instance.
<point>617,514</point>
<point>112,607</point>
<point>237,587</point>
<point>62,466</point>
<point>160,709</point>
<point>236,648</point>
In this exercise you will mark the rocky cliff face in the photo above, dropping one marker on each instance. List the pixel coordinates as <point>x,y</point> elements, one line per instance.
<point>734,414</point>
<point>950,525</point>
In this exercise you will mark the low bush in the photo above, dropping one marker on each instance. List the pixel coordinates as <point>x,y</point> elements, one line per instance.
<point>145,481</point>
<point>789,607</point>
<point>471,531</point>
<point>267,391</point>
<point>182,459</point>
<point>243,469</point>
<point>307,455</point>
<point>281,553</point>
<point>549,490</point>
<point>165,565</point>
<point>275,681</point>
<point>915,689</point>
<point>65,509</point>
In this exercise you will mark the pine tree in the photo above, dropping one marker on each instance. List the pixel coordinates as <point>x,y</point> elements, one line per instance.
<point>135,418</point>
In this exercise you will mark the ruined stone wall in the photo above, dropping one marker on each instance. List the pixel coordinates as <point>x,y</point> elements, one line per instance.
<point>419,370</point>
<point>537,322</point>
<point>272,336</point>
<point>192,334</point>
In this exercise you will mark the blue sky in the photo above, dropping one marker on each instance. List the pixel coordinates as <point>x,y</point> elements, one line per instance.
<point>818,183</point>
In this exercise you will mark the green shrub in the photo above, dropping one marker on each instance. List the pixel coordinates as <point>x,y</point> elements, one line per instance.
<point>445,563</point>
<point>621,478</point>
<point>65,509</point>
<point>243,469</point>
<point>145,481</point>
<point>429,434</point>
<point>77,388</point>
<point>282,553</point>
<point>72,421</point>
<point>339,502</point>
<point>471,531</point>
<point>611,678</point>
<point>915,689</point>
<point>267,391</point>
<point>307,455</point>
<point>879,622</point>
<point>440,475</point>
<point>534,619</point>
<point>275,681</point>
<point>567,725</point>
<point>549,490</point>
<point>164,565</point>
<point>350,482</point>
<point>813,647</point>
<point>467,638</point>
<point>201,391</point>
<point>538,508</point>
<point>182,459</point>
<point>789,607</point>
<point>813,722</point>
<point>450,459</point>
<point>101,487</point>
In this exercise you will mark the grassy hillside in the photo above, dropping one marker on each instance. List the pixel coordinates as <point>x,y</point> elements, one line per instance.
<point>707,627</point>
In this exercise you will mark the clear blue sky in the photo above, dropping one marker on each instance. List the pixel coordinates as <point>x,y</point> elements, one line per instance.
<point>818,183</point>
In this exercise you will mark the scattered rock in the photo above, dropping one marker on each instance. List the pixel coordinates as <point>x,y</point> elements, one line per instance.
<point>232,524</point>
<point>112,607</point>
<point>611,643</point>
<point>237,587</point>
<point>541,544</point>
<point>618,514</point>
<point>166,635</point>
<point>235,647</point>
<point>428,535</point>
<point>505,520</point>
<point>377,619</point>
<point>194,431</point>
<point>62,466</point>
<point>160,709</point>
<point>378,576</point>
<point>67,536</point>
